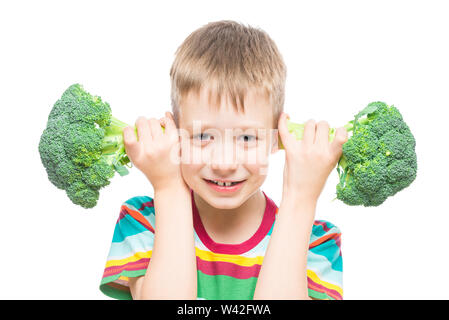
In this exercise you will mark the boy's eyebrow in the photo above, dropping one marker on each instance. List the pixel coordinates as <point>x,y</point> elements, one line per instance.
<point>248,125</point>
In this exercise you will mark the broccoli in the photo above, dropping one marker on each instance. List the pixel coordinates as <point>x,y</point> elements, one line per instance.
<point>82,146</point>
<point>379,158</point>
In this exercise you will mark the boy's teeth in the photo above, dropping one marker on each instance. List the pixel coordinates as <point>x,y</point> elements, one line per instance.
<point>223,184</point>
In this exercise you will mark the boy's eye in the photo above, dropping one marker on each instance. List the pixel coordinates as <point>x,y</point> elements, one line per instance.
<point>201,136</point>
<point>248,138</point>
<point>205,137</point>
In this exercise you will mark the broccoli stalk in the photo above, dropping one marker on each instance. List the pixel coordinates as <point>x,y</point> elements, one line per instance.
<point>378,160</point>
<point>298,130</point>
<point>113,148</point>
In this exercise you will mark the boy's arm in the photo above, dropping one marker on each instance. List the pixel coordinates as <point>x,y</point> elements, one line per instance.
<point>283,274</point>
<point>308,163</point>
<point>171,272</point>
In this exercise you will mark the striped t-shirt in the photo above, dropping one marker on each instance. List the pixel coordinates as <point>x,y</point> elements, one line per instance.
<point>224,271</point>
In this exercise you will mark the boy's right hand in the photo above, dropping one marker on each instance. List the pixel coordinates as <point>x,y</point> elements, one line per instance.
<point>154,152</point>
<point>310,160</point>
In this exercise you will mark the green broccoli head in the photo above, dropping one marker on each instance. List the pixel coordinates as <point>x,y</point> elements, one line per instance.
<point>82,146</point>
<point>379,158</point>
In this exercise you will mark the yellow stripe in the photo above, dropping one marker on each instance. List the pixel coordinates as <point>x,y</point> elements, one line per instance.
<point>137,256</point>
<point>313,276</point>
<point>239,260</point>
<point>202,254</point>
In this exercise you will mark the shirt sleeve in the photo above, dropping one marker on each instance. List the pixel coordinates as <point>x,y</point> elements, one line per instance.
<point>131,247</point>
<point>324,262</point>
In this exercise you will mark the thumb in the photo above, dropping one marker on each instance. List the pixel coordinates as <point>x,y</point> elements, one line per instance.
<point>130,142</point>
<point>341,136</point>
<point>286,138</point>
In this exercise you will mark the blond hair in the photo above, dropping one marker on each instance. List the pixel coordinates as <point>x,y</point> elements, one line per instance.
<point>230,58</point>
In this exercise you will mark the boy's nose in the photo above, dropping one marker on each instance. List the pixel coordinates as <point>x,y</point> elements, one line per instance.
<point>223,166</point>
<point>224,158</point>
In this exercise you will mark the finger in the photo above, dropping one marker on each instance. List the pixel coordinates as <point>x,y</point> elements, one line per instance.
<point>308,136</point>
<point>287,138</point>
<point>162,123</point>
<point>322,133</point>
<point>170,116</point>
<point>169,121</point>
<point>156,129</point>
<point>143,130</point>
<point>170,125</point>
<point>131,144</point>
<point>341,136</point>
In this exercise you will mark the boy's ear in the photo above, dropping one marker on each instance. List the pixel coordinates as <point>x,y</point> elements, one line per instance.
<point>275,141</point>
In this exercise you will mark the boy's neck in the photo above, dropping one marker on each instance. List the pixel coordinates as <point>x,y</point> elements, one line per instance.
<point>232,226</point>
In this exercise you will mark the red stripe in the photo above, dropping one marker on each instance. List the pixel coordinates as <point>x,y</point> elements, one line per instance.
<point>323,224</point>
<point>320,288</point>
<point>215,268</point>
<point>148,204</point>
<point>122,214</point>
<point>136,215</point>
<point>131,266</point>
<point>338,243</point>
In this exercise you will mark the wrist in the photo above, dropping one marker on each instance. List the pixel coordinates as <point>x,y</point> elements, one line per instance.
<point>175,187</point>
<point>299,199</point>
<point>301,206</point>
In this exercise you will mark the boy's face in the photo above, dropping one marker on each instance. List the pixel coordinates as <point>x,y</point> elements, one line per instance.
<point>219,143</point>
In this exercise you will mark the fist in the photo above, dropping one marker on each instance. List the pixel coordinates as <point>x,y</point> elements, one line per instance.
<point>308,162</point>
<point>155,151</point>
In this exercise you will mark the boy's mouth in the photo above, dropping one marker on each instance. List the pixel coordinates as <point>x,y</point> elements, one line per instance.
<point>221,186</point>
<point>224,183</point>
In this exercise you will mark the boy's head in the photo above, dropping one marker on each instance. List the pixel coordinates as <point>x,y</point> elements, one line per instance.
<point>227,93</point>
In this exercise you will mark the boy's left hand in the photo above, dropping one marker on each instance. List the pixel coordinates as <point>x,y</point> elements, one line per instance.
<point>308,162</point>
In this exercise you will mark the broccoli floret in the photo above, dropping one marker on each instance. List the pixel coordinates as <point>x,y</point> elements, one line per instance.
<point>378,160</point>
<point>82,146</point>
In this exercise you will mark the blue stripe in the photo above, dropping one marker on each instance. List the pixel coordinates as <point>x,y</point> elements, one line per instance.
<point>324,269</point>
<point>141,242</point>
<point>331,251</point>
<point>125,227</point>
<point>137,203</point>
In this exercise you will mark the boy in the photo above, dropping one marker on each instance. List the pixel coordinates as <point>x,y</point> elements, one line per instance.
<point>199,238</point>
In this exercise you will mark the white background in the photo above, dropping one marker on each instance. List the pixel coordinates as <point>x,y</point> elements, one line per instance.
<point>340,56</point>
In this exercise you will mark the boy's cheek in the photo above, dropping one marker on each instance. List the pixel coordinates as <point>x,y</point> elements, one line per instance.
<point>259,171</point>
<point>190,174</point>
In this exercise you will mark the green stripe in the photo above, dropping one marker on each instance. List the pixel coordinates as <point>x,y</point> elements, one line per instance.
<point>218,287</point>
<point>221,287</point>
<point>319,295</point>
<point>114,292</point>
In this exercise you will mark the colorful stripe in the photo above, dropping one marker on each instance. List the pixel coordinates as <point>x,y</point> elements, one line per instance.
<point>317,284</point>
<point>227,269</point>
<point>224,271</point>
<point>130,266</point>
<point>236,259</point>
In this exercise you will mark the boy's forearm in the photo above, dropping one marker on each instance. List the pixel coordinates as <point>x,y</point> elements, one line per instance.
<point>283,274</point>
<point>171,273</point>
